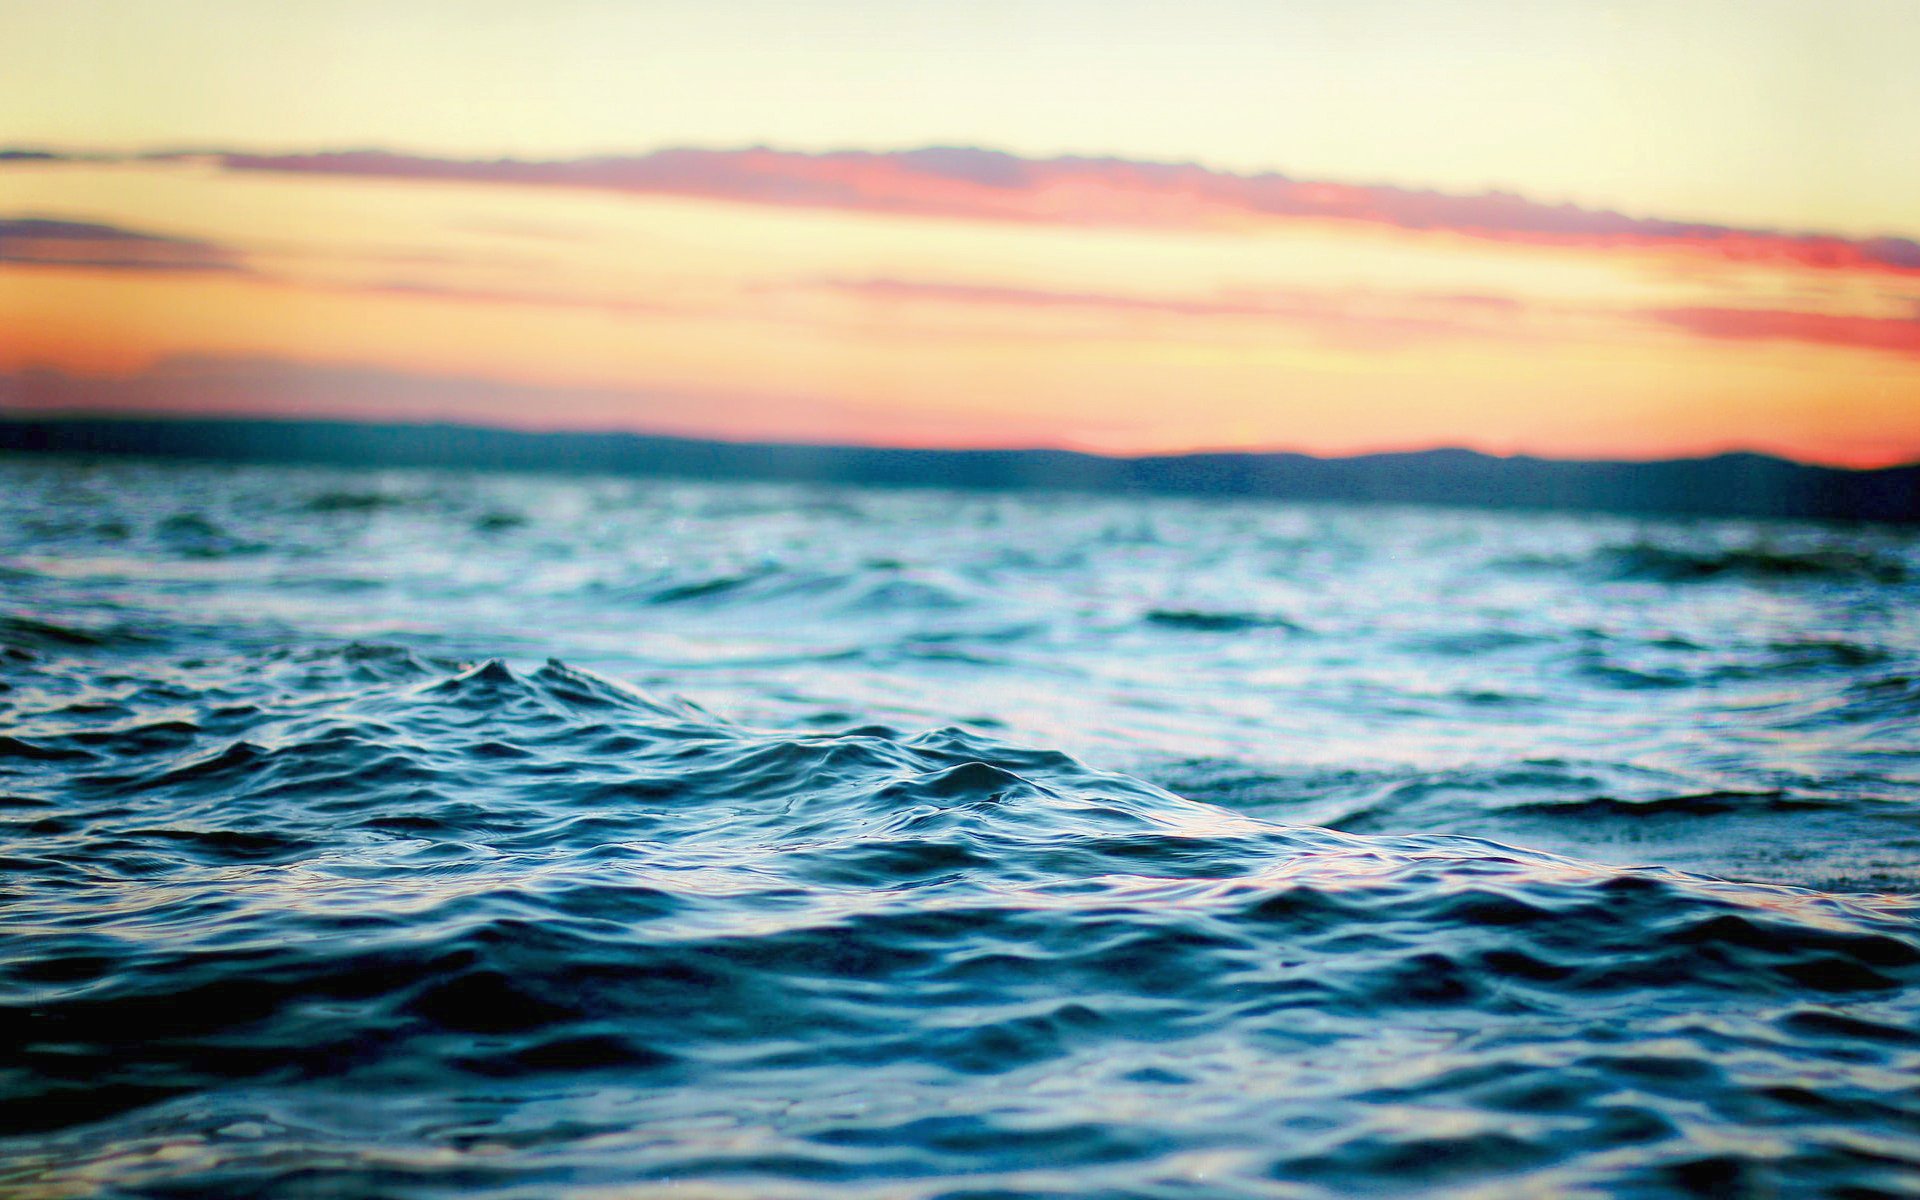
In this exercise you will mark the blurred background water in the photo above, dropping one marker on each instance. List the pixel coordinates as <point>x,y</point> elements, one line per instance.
<point>932,843</point>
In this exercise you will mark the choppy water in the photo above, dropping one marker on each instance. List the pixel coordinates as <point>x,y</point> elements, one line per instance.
<point>1005,846</point>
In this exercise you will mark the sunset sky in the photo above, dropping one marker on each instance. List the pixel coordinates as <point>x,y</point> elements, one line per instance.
<point>1605,229</point>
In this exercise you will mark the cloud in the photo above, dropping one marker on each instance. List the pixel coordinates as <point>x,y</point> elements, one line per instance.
<point>991,185</point>
<point>1351,316</point>
<point>411,289</point>
<point>1385,319</point>
<point>1020,297</point>
<point>48,242</point>
<point>1895,335</point>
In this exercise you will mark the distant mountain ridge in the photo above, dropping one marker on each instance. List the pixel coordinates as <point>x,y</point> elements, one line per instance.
<point>1739,484</point>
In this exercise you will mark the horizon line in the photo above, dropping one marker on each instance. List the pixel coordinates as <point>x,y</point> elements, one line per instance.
<point>9,416</point>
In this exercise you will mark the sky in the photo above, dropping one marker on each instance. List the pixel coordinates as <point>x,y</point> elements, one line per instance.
<point>1578,230</point>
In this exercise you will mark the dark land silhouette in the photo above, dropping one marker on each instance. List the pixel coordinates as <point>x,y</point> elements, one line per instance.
<point>1737,484</point>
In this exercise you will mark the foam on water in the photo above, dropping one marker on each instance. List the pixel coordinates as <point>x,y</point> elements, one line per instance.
<point>304,898</point>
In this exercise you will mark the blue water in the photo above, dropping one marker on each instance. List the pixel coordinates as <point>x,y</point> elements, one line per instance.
<point>426,834</point>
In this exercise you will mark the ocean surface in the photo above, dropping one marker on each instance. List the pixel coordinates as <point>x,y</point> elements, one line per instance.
<point>423,834</point>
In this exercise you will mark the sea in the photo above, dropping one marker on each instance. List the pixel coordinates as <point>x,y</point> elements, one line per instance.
<point>380,833</point>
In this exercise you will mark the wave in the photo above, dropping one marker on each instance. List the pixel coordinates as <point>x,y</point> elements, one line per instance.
<point>1841,836</point>
<point>884,589</point>
<point>1669,564</point>
<point>499,521</point>
<point>310,895</point>
<point>194,535</point>
<point>1694,804</point>
<point>1887,697</point>
<point>1205,621</point>
<point>353,502</point>
<point>27,636</point>
<point>553,930</point>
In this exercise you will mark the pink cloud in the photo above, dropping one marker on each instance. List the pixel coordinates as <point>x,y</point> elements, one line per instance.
<point>410,289</point>
<point>1348,317</point>
<point>990,185</point>
<point>1895,335</point>
<point>49,242</point>
<point>1019,297</point>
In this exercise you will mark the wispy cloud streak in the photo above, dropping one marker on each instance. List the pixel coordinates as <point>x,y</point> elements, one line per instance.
<point>1895,335</point>
<point>44,241</point>
<point>1343,316</point>
<point>991,185</point>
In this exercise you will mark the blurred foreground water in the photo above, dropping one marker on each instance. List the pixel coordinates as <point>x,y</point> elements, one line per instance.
<point>926,844</point>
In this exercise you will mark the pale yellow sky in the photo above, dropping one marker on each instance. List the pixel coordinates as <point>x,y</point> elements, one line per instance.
<point>1763,112</point>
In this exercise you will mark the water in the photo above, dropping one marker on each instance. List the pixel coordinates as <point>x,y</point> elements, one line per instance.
<point>867,843</point>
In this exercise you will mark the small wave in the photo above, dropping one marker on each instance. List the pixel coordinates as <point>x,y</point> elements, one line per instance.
<point>704,589</point>
<point>499,521</point>
<point>1784,658</point>
<point>31,634</point>
<point>194,535</point>
<point>1892,696</point>
<point>1601,669</point>
<point>908,593</point>
<point>1697,804</point>
<point>868,591</point>
<point>28,633</point>
<point>1206,621</point>
<point>353,502</point>
<point>1472,643</point>
<point>1667,564</point>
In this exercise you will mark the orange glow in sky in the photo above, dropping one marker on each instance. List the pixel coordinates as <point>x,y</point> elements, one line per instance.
<point>949,297</point>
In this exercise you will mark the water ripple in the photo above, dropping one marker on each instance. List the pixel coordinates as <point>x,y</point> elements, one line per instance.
<point>1017,845</point>
<point>602,934</point>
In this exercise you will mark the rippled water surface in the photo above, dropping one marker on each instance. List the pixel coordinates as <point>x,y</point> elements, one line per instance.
<point>420,834</point>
